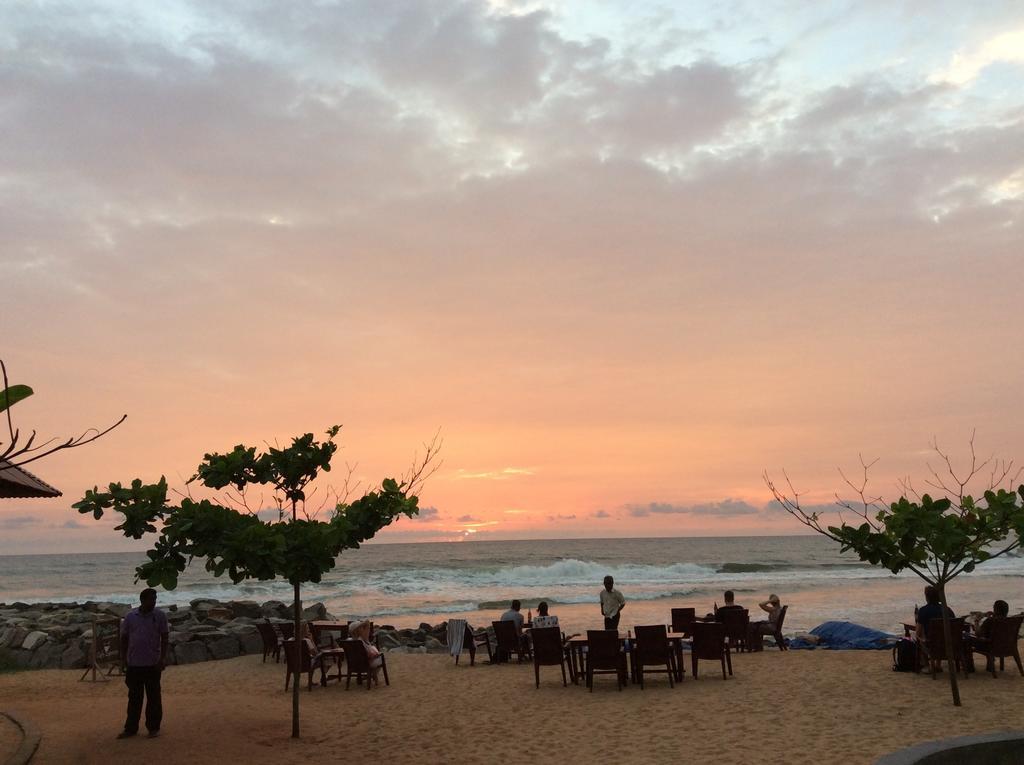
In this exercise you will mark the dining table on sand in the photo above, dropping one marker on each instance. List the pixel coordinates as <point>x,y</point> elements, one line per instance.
<point>333,629</point>
<point>577,645</point>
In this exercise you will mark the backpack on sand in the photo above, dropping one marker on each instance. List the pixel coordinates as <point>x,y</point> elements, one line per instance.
<point>904,655</point>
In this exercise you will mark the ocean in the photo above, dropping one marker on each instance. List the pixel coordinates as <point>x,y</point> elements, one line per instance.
<point>405,584</point>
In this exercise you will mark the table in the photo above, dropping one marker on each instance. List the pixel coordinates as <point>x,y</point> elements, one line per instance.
<point>575,646</point>
<point>317,628</point>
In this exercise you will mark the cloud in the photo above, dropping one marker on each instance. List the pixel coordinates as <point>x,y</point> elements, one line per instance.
<point>561,517</point>
<point>968,63</point>
<point>428,513</point>
<point>494,475</point>
<point>601,514</point>
<point>467,519</point>
<point>19,521</point>
<point>725,508</point>
<point>72,524</point>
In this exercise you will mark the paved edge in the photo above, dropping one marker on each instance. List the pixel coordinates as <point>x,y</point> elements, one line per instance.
<point>913,754</point>
<point>30,738</point>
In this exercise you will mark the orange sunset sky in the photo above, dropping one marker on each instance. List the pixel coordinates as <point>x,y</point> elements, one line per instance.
<point>624,261</point>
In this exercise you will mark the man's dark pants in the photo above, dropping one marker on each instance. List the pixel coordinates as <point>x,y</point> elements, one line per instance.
<point>613,622</point>
<point>143,680</point>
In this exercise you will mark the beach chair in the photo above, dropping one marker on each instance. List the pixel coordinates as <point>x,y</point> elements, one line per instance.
<point>709,644</point>
<point>357,662</point>
<point>758,630</point>
<point>509,642</point>
<point>548,650</point>
<point>653,649</point>
<point>933,647</point>
<point>470,641</point>
<point>683,619</point>
<point>605,656</point>
<point>1001,643</point>
<point>737,625</point>
<point>304,656</point>
<point>271,641</point>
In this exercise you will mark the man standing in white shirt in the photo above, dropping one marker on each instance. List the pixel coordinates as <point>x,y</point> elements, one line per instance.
<point>612,604</point>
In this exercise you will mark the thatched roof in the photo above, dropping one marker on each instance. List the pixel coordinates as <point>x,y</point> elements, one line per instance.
<point>18,482</point>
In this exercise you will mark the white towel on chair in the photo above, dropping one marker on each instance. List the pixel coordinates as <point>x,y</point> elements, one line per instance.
<point>456,634</point>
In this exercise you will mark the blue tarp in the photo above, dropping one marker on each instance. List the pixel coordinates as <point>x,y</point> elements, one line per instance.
<point>842,636</point>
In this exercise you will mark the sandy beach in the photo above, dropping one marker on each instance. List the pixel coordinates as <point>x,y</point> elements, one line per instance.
<point>796,707</point>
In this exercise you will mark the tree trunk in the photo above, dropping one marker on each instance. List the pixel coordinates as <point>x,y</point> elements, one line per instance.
<point>299,648</point>
<point>947,634</point>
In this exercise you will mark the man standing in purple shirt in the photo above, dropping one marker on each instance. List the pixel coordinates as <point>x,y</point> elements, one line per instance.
<point>143,652</point>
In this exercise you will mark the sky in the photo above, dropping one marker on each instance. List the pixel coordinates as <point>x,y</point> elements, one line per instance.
<point>623,257</point>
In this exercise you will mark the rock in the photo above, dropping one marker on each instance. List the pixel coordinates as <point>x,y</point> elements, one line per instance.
<point>250,642</point>
<point>13,637</point>
<point>388,640</point>
<point>247,608</point>
<point>315,612</point>
<point>114,609</point>
<point>433,644</point>
<point>33,640</point>
<point>208,635</point>
<point>46,656</point>
<point>61,634</point>
<point>275,609</point>
<point>179,617</point>
<point>73,657</point>
<point>173,607</point>
<point>223,648</point>
<point>242,620</point>
<point>424,627</point>
<point>179,636</point>
<point>203,604</point>
<point>190,653</point>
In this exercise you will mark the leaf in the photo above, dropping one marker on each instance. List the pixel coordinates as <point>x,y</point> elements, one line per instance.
<point>13,395</point>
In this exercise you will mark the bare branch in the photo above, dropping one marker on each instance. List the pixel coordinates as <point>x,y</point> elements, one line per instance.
<point>421,470</point>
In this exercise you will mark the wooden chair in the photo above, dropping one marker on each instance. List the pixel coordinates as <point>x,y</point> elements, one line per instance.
<point>271,641</point>
<point>605,656</point>
<point>737,625</point>
<point>285,629</point>
<point>653,649</point>
<point>1002,641</point>
<point>304,656</point>
<point>509,641</point>
<point>709,643</point>
<point>548,651</point>
<point>683,619</point>
<point>472,640</point>
<point>933,647</point>
<point>357,662</point>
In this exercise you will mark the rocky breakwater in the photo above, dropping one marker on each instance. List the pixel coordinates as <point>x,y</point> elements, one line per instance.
<point>59,635</point>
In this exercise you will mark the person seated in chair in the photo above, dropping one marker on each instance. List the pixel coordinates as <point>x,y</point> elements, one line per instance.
<point>514,615</point>
<point>730,605</point>
<point>543,619</point>
<point>1000,610</point>
<point>773,607</point>
<point>932,609</point>
<point>360,630</point>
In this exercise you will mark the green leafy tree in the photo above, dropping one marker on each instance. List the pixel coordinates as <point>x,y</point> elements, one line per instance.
<point>18,450</point>
<point>235,541</point>
<point>937,538</point>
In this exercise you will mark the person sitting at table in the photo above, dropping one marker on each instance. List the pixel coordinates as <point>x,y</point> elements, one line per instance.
<point>773,607</point>
<point>543,619</point>
<point>932,609</point>
<point>1000,610</point>
<point>514,615</point>
<point>360,630</point>
<point>730,604</point>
